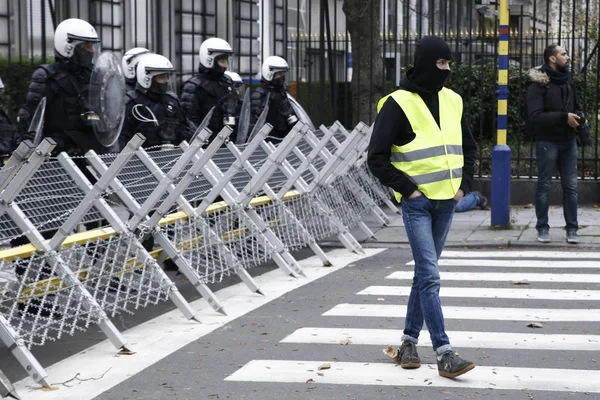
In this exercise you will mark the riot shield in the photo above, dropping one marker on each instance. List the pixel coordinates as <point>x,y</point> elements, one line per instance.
<point>204,123</point>
<point>37,122</point>
<point>106,99</point>
<point>300,113</point>
<point>244,121</point>
<point>262,119</point>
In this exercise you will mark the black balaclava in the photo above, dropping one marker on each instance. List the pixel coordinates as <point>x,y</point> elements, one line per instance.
<point>158,88</point>
<point>216,72</point>
<point>278,82</point>
<point>82,57</point>
<point>425,73</point>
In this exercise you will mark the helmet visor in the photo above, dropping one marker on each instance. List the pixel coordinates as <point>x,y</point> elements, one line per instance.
<point>162,81</point>
<point>86,53</point>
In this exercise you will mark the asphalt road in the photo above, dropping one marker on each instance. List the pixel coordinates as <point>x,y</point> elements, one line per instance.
<point>346,318</point>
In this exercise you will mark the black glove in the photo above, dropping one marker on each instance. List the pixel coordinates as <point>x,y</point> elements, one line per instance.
<point>584,131</point>
<point>229,104</point>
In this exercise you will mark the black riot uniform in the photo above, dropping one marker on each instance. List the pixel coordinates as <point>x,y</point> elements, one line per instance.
<point>280,115</point>
<point>65,86</point>
<point>210,89</point>
<point>130,84</point>
<point>171,126</point>
<point>8,136</point>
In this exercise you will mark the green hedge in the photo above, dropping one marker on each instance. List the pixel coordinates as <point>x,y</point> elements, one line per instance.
<point>16,78</point>
<point>477,85</point>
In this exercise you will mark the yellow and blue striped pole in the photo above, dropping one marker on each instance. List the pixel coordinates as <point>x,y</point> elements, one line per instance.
<point>501,154</point>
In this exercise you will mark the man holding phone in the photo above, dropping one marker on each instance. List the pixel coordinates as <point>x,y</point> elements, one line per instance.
<point>555,119</point>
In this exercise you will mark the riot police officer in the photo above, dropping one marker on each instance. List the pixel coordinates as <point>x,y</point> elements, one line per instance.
<point>152,109</point>
<point>65,86</point>
<point>280,114</point>
<point>212,88</point>
<point>129,63</point>
<point>8,133</point>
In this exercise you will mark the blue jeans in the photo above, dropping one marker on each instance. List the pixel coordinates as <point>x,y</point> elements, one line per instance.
<point>427,224</point>
<point>468,202</point>
<point>551,155</point>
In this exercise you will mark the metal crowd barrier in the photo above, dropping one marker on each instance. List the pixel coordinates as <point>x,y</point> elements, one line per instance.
<point>212,210</point>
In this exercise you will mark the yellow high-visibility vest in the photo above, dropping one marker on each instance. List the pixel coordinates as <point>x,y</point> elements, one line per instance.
<point>433,161</point>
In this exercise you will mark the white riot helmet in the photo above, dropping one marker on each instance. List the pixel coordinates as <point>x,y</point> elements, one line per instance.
<point>72,32</point>
<point>235,77</point>
<point>150,66</point>
<point>238,83</point>
<point>212,50</point>
<point>273,65</point>
<point>131,59</point>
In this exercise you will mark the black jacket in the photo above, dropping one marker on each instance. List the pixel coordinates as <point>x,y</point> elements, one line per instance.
<point>65,87</point>
<point>173,126</point>
<point>392,127</point>
<point>203,92</point>
<point>8,135</point>
<point>548,107</point>
<point>280,109</point>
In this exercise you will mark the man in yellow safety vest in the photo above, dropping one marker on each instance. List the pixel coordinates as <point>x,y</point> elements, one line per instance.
<point>423,149</point>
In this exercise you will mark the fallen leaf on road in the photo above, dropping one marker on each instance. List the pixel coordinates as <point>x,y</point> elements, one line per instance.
<point>345,342</point>
<point>309,381</point>
<point>391,353</point>
<point>535,325</point>
<point>521,282</point>
<point>380,299</point>
<point>324,366</point>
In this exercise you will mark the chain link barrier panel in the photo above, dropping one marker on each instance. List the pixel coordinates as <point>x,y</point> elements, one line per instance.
<point>84,239</point>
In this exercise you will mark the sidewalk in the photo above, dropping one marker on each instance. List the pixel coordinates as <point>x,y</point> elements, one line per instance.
<point>472,229</point>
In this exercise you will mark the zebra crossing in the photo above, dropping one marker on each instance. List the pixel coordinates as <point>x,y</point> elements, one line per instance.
<point>489,298</point>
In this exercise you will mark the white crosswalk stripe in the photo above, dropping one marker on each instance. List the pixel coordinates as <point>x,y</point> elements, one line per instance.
<point>477,313</point>
<point>549,255</point>
<point>506,277</point>
<point>569,287</point>
<point>459,339</point>
<point>356,373</point>
<point>484,263</point>
<point>491,293</point>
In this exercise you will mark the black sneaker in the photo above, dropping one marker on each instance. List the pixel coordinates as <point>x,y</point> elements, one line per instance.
<point>407,356</point>
<point>451,366</point>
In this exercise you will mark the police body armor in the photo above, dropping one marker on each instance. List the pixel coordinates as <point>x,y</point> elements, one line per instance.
<point>8,135</point>
<point>172,127</point>
<point>279,112</point>
<point>208,93</point>
<point>67,94</point>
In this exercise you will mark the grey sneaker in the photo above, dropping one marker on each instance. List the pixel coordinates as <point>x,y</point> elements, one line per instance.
<point>483,201</point>
<point>572,237</point>
<point>450,365</point>
<point>543,236</point>
<point>407,356</point>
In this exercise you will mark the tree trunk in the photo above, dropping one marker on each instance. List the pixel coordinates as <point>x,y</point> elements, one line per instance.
<point>363,22</point>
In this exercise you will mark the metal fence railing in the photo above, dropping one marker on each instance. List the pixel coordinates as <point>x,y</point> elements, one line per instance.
<point>313,36</point>
<point>313,185</point>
